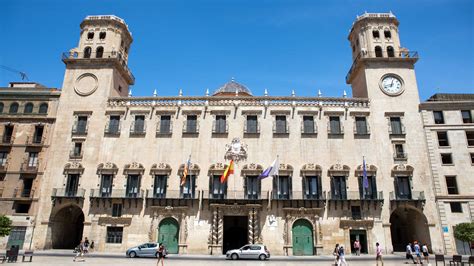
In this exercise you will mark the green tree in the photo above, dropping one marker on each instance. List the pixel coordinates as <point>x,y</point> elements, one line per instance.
<point>5,225</point>
<point>465,232</point>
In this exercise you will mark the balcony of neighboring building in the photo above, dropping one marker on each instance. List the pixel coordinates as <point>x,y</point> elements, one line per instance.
<point>7,140</point>
<point>389,55</point>
<point>100,57</point>
<point>30,166</point>
<point>35,141</point>
<point>164,197</point>
<point>24,194</point>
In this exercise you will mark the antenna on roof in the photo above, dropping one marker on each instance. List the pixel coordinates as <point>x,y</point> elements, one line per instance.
<point>22,74</point>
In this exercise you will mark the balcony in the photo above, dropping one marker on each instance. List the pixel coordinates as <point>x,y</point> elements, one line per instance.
<point>396,56</point>
<point>170,198</point>
<point>117,58</point>
<point>138,128</point>
<point>189,128</point>
<point>219,128</point>
<point>80,128</point>
<point>415,198</point>
<point>35,141</point>
<point>75,154</point>
<point>281,130</point>
<point>112,129</point>
<point>309,130</point>
<point>164,129</point>
<point>300,199</point>
<point>23,194</point>
<point>252,130</point>
<point>29,167</point>
<point>7,140</point>
<point>400,156</point>
<point>235,197</point>
<point>97,196</point>
<point>60,194</point>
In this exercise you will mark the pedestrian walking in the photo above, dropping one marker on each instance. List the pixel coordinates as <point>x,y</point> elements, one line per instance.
<point>357,247</point>
<point>409,253</point>
<point>378,252</point>
<point>426,254</point>
<point>417,252</point>
<point>342,257</point>
<point>80,252</point>
<point>336,254</point>
<point>161,255</point>
<point>86,245</point>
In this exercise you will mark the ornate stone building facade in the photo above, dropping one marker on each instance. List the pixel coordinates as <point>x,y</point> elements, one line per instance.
<point>27,117</point>
<point>119,162</point>
<point>449,128</point>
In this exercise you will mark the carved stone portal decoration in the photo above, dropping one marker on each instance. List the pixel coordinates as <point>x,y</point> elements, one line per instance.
<point>254,230</point>
<point>236,151</point>
<point>402,169</point>
<point>73,168</point>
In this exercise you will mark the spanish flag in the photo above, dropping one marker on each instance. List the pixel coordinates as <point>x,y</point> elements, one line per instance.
<point>228,171</point>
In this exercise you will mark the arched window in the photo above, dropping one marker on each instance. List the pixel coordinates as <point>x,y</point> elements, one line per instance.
<point>90,35</point>
<point>102,35</point>
<point>13,108</point>
<point>387,34</point>
<point>99,52</point>
<point>1,107</point>
<point>390,52</point>
<point>28,108</point>
<point>43,109</point>
<point>87,52</point>
<point>378,51</point>
<point>376,34</point>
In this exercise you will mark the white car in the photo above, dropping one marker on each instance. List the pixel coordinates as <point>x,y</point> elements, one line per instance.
<point>251,251</point>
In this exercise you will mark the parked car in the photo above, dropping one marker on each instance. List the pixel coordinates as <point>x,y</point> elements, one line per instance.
<point>143,250</point>
<point>253,251</point>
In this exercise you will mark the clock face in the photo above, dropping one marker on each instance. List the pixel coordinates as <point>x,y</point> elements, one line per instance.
<point>391,85</point>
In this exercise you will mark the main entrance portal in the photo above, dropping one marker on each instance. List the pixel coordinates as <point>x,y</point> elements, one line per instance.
<point>168,235</point>
<point>66,227</point>
<point>406,226</point>
<point>302,238</point>
<point>360,235</point>
<point>235,232</point>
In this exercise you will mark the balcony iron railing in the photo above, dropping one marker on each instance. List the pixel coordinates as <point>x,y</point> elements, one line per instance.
<point>357,195</point>
<point>29,167</point>
<point>400,156</point>
<point>75,154</point>
<point>235,195</point>
<point>116,194</point>
<point>413,196</point>
<point>220,129</point>
<point>396,130</point>
<point>190,129</point>
<point>112,128</point>
<point>281,129</point>
<point>23,193</point>
<point>361,130</point>
<point>164,128</point>
<point>80,128</point>
<point>309,129</point>
<point>335,130</point>
<point>252,129</point>
<point>138,128</point>
<point>63,193</point>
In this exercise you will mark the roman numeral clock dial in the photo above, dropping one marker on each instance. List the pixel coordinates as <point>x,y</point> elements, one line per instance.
<point>391,85</point>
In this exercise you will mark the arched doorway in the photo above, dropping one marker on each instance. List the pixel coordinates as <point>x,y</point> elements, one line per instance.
<point>407,225</point>
<point>66,227</point>
<point>302,238</point>
<point>168,233</point>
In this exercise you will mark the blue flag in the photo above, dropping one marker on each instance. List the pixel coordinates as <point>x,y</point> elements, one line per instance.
<point>270,171</point>
<point>365,180</point>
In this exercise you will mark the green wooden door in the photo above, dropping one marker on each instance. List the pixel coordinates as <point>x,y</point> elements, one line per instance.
<point>302,238</point>
<point>168,235</point>
<point>16,237</point>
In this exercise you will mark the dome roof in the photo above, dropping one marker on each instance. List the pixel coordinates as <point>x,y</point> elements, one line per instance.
<point>230,88</point>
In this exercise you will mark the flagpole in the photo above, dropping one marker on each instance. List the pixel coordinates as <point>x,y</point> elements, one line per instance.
<point>278,176</point>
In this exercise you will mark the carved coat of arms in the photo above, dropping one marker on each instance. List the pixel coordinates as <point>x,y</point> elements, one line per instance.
<point>236,150</point>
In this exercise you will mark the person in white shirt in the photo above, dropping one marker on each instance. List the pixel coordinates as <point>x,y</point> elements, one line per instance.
<point>409,253</point>
<point>378,252</point>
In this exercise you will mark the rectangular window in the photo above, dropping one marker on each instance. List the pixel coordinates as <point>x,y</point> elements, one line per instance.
<point>22,207</point>
<point>81,124</point>
<point>72,184</point>
<point>403,188</point>
<point>252,187</point>
<point>7,134</point>
<point>117,210</point>
<point>251,125</point>
<point>114,235</point>
<point>191,124</point>
<point>438,117</point>
<point>334,125</point>
<point>33,159</point>
<point>27,185</point>
<point>308,125</point>
<point>387,34</point>
<point>466,116</point>
<point>396,125</point>
<point>77,150</point>
<point>339,190</point>
<point>114,124</point>
<point>376,34</point>
<point>280,124</point>
<point>472,157</point>
<point>165,124</point>
<point>361,125</point>
<point>106,181</point>
<point>356,213</point>
<point>470,138</point>
<point>218,189</point>
<point>220,124</point>
<point>133,186</point>
<point>189,187</point>
<point>3,158</point>
<point>446,158</point>
<point>456,207</point>
<point>400,152</point>
<point>38,136</point>
<point>160,186</point>
<point>283,189</point>
<point>311,187</point>
<point>443,138</point>
<point>452,185</point>
<point>139,124</point>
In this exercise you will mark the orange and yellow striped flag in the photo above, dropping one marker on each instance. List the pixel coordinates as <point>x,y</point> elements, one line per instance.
<point>228,171</point>
<point>185,171</point>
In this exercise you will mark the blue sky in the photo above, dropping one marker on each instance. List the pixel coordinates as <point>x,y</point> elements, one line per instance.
<point>278,45</point>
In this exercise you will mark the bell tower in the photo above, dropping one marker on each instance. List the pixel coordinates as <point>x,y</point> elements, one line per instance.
<point>98,66</point>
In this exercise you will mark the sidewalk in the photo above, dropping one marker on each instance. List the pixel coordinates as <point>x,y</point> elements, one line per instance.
<point>363,257</point>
